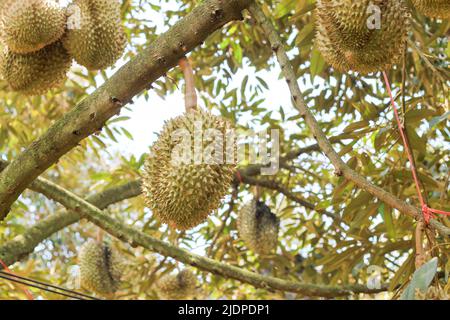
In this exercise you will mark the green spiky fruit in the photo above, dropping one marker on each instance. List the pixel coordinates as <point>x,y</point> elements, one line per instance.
<point>350,37</point>
<point>183,191</point>
<point>181,286</point>
<point>30,25</point>
<point>37,72</point>
<point>258,227</point>
<point>100,267</point>
<point>95,36</point>
<point>433,8</point>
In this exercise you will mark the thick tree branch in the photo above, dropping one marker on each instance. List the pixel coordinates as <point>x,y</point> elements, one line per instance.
<point>341,167</point>
<point>22,245</point>
<point>91,114</point>
<point>137,238</point>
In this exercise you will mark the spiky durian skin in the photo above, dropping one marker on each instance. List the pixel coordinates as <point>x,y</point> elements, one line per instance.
<point>37,72</point>
<point>177,287</point>
<point>347,43</point>
<point>30,25</point>
<point>433,8</point>
<point>258,227</point>
<point>100,267</point>
<point>98,40</point>
<point>184,194</point>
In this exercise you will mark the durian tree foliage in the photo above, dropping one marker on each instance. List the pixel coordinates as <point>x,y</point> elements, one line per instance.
<point>331,228</point>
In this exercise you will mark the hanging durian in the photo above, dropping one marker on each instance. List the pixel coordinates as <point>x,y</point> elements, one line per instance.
<point>181,286</point>
<point>433,8</point>
<point>183,181</point>
<point>30,25</point>
<point>349,39</point>
<point>258,227</point>
<point>97,40</point>
<point>37,72</point>
<point>100,267</point>
<point>184,194</point>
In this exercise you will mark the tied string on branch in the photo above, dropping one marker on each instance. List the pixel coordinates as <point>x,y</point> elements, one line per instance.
<point>428,213</point>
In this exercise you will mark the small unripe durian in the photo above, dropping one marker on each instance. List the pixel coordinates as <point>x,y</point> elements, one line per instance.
<point>181,286</point>
<point>258,227</point>
<point>30,25</point>
<point>100,267</point>
<point>37,72</point>
<point>96,39</point>
<point>364,36</point>
<point>433,8</point>
<point>183,193</point>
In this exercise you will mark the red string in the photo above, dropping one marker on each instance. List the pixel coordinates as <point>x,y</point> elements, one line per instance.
<point>239,177</point>
<point>427,212</point>
<point>26,291</point>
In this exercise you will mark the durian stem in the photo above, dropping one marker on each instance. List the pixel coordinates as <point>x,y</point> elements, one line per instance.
<point>190,96</point>
<point>100,235</point>
<point>421,256</point>
<point>257,192</point>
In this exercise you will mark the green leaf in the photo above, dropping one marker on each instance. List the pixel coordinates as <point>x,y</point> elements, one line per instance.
<point>421,280</point>
<point>436,120</point>
<point>386,213</point>
<point>356,125</point>
<point>317,63</point>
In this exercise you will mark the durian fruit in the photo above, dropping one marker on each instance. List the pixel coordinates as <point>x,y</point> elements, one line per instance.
<point>97,40</point>
<point>181,286</point>
<point>30,25</point>
<point>258,227</point>
<point>346,41</point>
<point>433,8</point>
<point>183,193</point>
<point>100,267</point>
<point>37,72</point>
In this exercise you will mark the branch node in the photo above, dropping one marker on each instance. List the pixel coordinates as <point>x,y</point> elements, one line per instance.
<point>218,14</point>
